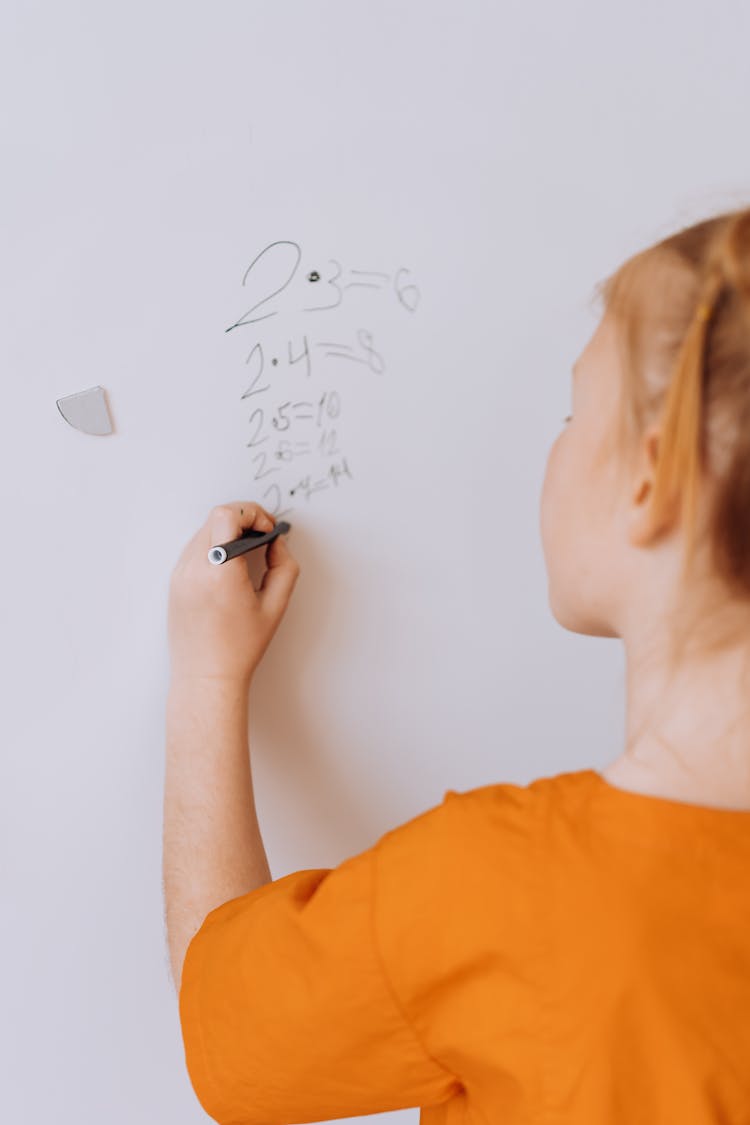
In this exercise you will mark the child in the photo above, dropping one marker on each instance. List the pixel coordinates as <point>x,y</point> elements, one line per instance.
<point>575,950</point>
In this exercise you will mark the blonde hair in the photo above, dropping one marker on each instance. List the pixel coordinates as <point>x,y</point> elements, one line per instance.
<point>682,307</point>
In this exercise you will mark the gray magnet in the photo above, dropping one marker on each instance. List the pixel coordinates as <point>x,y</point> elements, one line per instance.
<point>86,411</point>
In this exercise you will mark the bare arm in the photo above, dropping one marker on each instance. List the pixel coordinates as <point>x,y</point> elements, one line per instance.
<point>212,846</point>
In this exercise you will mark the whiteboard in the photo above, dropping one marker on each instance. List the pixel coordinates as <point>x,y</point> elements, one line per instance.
<point>458,177</point>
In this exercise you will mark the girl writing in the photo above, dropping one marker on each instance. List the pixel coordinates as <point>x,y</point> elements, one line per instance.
<point>575,950</point>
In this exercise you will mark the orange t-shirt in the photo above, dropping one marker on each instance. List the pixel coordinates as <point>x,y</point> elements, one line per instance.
<point>564,952</point>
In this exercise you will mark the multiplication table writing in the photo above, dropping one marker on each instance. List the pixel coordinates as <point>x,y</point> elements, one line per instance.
<point>306,425</point>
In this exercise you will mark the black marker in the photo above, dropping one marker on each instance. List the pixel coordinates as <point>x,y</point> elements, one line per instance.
<point>248,541</point>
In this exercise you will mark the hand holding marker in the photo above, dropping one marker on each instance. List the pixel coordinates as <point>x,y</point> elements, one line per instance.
<point>219,625</point>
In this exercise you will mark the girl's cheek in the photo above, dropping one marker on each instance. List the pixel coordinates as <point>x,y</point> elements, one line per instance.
<point>554,491</point>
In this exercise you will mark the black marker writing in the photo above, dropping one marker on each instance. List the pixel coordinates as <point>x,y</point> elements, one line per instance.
<point>300,425</point>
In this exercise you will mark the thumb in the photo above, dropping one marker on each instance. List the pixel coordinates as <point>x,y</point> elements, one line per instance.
<point>279,579</point>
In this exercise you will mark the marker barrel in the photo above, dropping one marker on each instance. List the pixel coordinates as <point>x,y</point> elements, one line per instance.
<point>248,541</point>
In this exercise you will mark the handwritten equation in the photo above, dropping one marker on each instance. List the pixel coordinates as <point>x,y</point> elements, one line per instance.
<point>305,428</point>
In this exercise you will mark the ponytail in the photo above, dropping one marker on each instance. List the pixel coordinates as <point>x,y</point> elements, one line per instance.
<point>683,308</point>
<point>682,463</point>
<point>708,390</point>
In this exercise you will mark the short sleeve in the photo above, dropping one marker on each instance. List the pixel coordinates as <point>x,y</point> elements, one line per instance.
<point>287,1013</point>
<point>461,928</point>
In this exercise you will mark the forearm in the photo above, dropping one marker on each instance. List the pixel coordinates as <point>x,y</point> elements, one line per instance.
<point>212,846</point>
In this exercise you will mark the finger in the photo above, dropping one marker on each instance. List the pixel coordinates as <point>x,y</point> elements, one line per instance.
<point>226,521</point>
<point>279,579</point>
<point>259,517</point>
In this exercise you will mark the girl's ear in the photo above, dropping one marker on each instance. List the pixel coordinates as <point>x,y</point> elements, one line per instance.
<point>643,525</point>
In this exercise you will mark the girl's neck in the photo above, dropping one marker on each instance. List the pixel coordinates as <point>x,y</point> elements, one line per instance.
<point>709,783</point>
